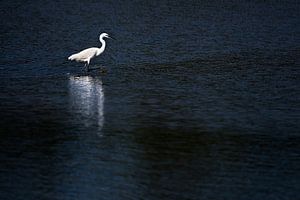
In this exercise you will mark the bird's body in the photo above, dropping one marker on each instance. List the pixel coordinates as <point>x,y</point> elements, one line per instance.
<point>87,54</point>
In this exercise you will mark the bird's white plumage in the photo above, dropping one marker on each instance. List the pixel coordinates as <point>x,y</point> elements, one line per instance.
<point>87,54</point>
<point>84,55</point>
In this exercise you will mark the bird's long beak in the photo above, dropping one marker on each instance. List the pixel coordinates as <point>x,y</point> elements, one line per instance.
<point>111,38</point>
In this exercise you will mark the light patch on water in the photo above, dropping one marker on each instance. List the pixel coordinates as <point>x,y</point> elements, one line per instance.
<point>87,100</point>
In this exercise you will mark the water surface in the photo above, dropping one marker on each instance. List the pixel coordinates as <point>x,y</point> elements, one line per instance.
<point>200,100</point>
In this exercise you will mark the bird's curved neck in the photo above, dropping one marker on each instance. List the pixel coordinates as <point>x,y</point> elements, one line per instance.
<point>101,49</point>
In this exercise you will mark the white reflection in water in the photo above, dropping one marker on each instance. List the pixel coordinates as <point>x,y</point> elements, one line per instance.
<point>87,100</point>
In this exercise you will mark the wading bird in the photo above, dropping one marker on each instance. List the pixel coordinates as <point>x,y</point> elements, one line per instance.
<point>87,54</point>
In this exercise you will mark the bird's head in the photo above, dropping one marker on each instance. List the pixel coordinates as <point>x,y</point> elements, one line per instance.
<point>104,35</point>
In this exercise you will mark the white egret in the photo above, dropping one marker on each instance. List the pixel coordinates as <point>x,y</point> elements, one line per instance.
<point>87,54</point>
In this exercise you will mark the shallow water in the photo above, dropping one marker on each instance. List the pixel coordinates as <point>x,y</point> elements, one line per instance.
<point>200,100</point>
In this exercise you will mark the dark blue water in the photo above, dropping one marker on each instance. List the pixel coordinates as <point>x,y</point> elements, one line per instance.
<point>200,100</point>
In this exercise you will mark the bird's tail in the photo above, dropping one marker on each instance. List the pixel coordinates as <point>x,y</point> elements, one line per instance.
<point>72,57</point>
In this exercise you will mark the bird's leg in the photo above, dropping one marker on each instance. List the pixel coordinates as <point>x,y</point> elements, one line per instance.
<point>87,67</point>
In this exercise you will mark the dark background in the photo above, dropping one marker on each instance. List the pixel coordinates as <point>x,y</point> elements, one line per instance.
<point>200,101</point>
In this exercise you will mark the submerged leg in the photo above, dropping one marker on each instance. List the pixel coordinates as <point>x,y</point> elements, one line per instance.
<point>87,67</point>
